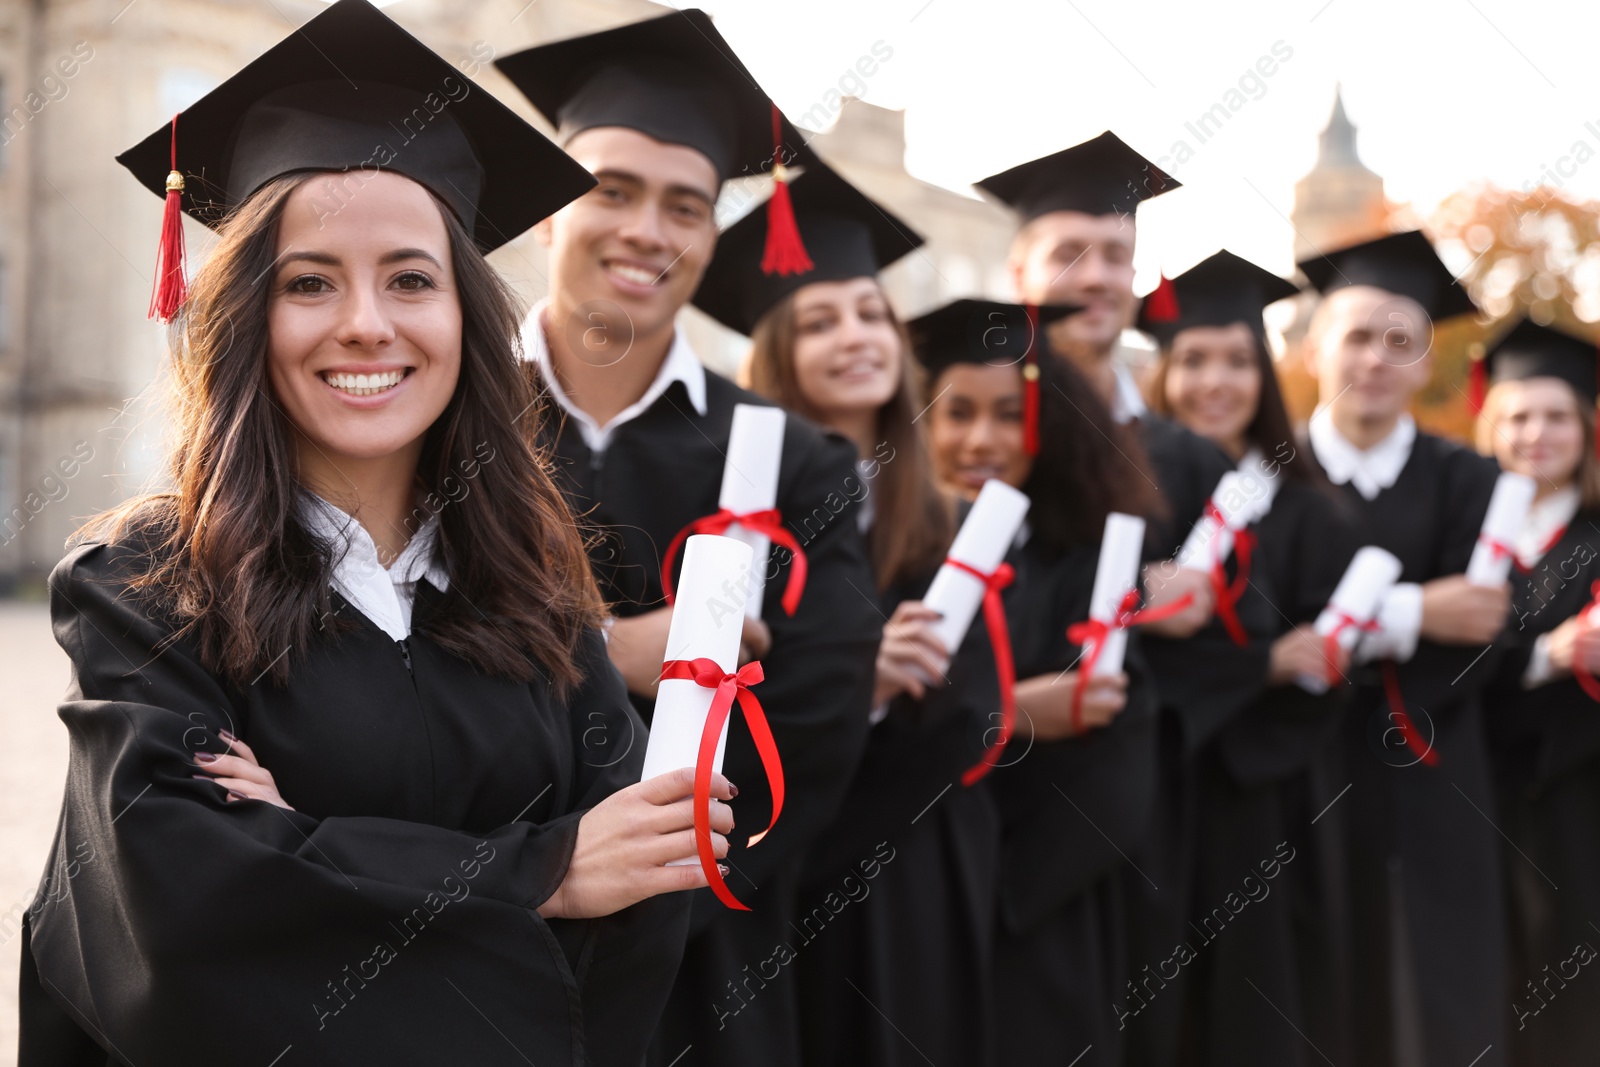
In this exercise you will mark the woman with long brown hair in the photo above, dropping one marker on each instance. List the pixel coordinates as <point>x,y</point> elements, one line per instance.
<point>913,939</point>
<point>1081,768</point>
<point>352,779</point>
<point>1256,776</point>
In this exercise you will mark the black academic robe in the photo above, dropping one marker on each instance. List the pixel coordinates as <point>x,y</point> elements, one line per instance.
<point>1266,909</point>
<point>1425,891</point>
<point>660,472</point>
<point>1546,751</point>
<point>390,918</point>
<point>893,941</point>
<point>1072,811</point>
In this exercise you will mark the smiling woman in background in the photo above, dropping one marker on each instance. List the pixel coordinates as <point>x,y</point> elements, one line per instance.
<point>1538,419</point>
<point>334,777</point>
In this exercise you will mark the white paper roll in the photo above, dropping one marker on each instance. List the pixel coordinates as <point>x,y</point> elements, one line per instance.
<point>982,541</point>
<point>1238,506</point>
<point>1115,574</point>
<point>750,483</point>
<point>707,622</point>
<point>1508,510</point>
<point>1259,483</point>
<point>1359,594</point>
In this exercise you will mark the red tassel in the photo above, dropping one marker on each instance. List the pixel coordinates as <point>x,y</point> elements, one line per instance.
<point>1477,385</point>
<point>171,287</point>
<point>1030,386</point>
<point>785,254</point>
<point>1162,304</point>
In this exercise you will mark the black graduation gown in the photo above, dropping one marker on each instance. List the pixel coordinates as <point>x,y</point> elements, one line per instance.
<point>660,472</point>
<point>1071,812</point>
<point>893,941</point>
<point>1546,751</point>
<point>1424,855</point>
<point>1266,910</point>
<point>389,918</point>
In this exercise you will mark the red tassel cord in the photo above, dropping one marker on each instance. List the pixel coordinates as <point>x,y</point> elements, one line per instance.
<point>785,254</point>
<point>1030,386</point>
<point>1162,304</point>
<point>171,287</point>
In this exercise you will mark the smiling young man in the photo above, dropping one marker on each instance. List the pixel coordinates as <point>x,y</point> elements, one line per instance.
<point>1427,981</point>
<point>662,113</point>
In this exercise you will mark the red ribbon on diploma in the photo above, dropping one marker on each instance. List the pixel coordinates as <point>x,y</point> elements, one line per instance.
<point>707,674</point>
<point>1227,595</point>
<point>1584,678</point>
<point>1330,643</point>
<point>1501,550</point>
<point>1397,708</point>
<point>1091,635</point>
<point>994,619</point>
<point>768,522</point>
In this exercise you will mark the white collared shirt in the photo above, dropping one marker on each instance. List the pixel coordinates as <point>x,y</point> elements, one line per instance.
<point>384,595</point>
<point>1371,471</point>
<point>1127,402</point>
<point>1545,518</point>
<point>681,365</point>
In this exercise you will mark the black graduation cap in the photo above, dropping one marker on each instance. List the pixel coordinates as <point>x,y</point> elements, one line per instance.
<point>1219,290</point>
<point>1101,176</point>
<point>1529,350</point>
<point>672,77</point>
<point>990,332</point>
<point>1401,263</point>
<point>846,234</point>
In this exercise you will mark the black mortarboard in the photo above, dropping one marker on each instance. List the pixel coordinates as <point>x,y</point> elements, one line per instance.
<point>990,332</point>
<point>1401,263</point>
<point>672,77</point>
<point>1219,290</point>
<point>1101,176</point>
<point>1529,350</point>
<point>350,89</point>
<point>847,234</point>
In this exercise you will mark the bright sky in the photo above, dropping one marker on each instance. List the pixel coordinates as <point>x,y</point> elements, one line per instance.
<point>1443,93</point>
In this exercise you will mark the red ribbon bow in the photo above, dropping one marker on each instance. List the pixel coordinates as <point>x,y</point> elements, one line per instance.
<point>1585,679</point>
<point>1330,643</point>
<point>1091,635</point>
<point>1391,685</point>
<point>769,522</point>
<point>1227,594</point>
<point>994,619</point>
<point>708,674</point>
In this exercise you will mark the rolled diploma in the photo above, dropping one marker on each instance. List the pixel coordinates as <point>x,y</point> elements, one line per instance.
<point>1508,510</point>
<point>1115,574</point>
<point>750,483</point>
<point>1233,499</point>
<point>707,622</point>
<point>1359,594</point>
<point>982,541</point>
<point>1260,486</point>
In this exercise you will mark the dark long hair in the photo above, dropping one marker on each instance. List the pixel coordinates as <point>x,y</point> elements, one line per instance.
<point>233,565</point>
<point>1270,430</point>
<point>916,521</point>
<point>1088,465</point>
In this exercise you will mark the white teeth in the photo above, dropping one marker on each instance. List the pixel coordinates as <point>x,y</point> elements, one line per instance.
<point>633,274</point>
<point>364,384</point>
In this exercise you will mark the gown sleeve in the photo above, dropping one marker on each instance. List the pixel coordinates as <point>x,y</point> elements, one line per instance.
<point>193,930</point>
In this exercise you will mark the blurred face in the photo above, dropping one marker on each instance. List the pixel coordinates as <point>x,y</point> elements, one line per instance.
<point>1213,382</point>
<point>363,321</point>
<point>846,351</point>
<point>1368,350</point>
<point>641,239</point>
<point>975,428</point>
<point>1067,257</point>
<point>1537,430</point>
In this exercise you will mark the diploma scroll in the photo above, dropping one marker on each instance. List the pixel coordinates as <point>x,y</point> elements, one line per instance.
<point>1355,602</point>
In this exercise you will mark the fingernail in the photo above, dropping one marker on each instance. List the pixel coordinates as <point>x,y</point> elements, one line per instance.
<point>234,794</point>
<point>733,790</point>
<point>202,778</point>
<point>226,736</point>
<point>722,868</point>
<point>205,757</point>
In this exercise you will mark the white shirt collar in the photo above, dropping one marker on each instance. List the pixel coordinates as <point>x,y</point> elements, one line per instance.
<point>1127,403</point>
<point>681,365</point>
<point>1546,519</point>
<point>1370,470</point>
<point>384,595</point>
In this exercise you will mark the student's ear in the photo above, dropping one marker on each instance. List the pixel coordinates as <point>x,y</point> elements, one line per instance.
<point>1014,269</point>
<point>543,232</point>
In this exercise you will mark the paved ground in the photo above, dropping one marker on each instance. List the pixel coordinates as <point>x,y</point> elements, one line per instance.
<point>33,767</point>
